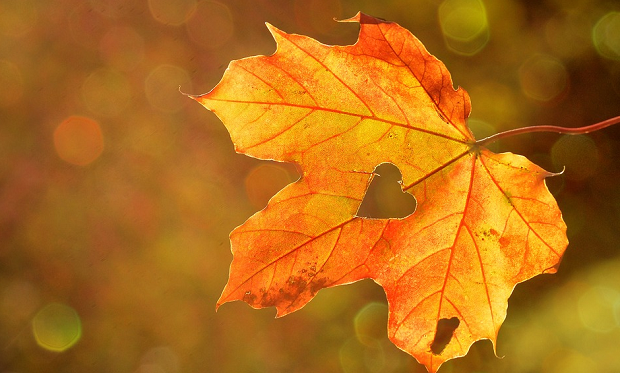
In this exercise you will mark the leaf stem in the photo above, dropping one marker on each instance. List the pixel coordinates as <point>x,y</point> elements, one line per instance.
<point>557,129</point>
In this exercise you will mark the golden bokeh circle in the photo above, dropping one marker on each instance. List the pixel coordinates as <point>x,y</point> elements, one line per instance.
<point>173,13</point>
<point>78,140</point>
<point>57,327</point>
<point>606,36</point>
<point>543,77</point>
<point>215,33</point>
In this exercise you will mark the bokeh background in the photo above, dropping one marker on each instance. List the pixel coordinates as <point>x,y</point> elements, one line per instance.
<point>117,192</point>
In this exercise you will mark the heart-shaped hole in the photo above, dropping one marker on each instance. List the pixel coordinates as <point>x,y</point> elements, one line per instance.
<point>385,198</point>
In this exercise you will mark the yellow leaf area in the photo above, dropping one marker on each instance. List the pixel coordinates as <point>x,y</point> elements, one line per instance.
<point>484,222</point>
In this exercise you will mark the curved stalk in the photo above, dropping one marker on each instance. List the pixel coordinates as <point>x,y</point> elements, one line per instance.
<point>557,129</point>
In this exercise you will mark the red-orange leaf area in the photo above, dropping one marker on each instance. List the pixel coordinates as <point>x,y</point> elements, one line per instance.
<point>484,222</point>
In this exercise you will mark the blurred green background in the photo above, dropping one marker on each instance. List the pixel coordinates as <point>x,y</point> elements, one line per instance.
<point>117,193</point>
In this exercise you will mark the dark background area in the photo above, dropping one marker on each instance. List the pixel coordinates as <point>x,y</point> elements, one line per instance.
<point>117,193</point>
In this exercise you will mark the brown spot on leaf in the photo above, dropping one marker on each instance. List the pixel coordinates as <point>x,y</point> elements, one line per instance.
<point>296,289</point>
<point>249,298</point>
<point>444,333</point>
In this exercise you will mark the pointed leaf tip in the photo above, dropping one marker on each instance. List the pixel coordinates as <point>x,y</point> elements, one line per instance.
<point>275,32</point>
<point>364,18</point>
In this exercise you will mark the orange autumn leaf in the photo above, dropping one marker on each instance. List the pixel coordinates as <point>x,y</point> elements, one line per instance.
<point>484,222</point>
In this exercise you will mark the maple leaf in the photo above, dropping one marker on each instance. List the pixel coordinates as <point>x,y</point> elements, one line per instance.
<point>483,223</point>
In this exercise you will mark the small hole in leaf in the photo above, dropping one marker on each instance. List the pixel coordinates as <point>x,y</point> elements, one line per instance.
<point>444,333</point>
<point>385,198</point>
